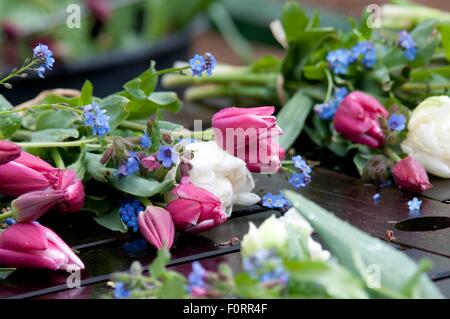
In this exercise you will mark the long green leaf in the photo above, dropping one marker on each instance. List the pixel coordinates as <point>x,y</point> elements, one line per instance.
<point>346,241</point>
<point>292,118</point>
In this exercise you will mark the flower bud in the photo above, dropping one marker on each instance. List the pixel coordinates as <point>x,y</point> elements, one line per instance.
<point>410,175</point>
<point>156,225</point>
<point>30,206</point>
<point>8,152</point>
<point>376,170</point>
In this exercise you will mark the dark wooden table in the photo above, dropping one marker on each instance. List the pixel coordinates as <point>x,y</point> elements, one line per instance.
<point>104,252</point>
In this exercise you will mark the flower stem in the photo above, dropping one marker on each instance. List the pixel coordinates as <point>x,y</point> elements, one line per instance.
<point>411,86</point>
<point>391,154</point>
<point>204,92</point>
<point>58,144</point>
<point>18,72</point>
<point>5,216</point>
<point>41,106</point>
<point>57,159</point>
<point>330,85</point>
<point>262,79</point>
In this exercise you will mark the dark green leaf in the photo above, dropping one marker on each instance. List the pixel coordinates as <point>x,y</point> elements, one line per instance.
<point>139,186</point>
<point>86,93</point>
<point>112,221</point>
<point>8,123</point>
<point>115,109</point>
<point>97,205</point>
<point>294,20</point>
<point>79,166</point>
<point>54,119</point>
<point>292,117</point>
<point>96,169</point>
<point>5,272</point>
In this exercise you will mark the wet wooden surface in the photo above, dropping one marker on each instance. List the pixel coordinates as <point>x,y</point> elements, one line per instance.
<point>104,252</point>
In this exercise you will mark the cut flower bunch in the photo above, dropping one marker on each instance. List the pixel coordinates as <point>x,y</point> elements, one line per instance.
<point>377,96</point>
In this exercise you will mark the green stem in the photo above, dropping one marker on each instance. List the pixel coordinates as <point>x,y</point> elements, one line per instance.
<point>411,86</point>
<point>57,159</point>
<point>41,106</point>
<point>172,70</point>
<point>145,201</point>
<point>263,79</point>
<point>128,125</point>
<point>391,154</point>
<point>21,135</point>
<point>6,215</point>
<point>58,144</point>
<point>330,85</point>
<point>18,72</point>
<point>200,93</point>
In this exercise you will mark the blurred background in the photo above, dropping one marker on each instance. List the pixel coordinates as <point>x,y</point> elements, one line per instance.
<point>117,38</point>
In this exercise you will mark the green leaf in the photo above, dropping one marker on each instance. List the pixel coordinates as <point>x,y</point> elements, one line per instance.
<point>96,169</point>
<point>143,109</point>
<point>79,166</point>
<point>266,63</point>
<point>344,241</point>
<point>360,161</point>
<point>173,288</point>
<point>114,105</point>
<point>292,118</point>
<point>8,123</point>
<point>5,272</point>
<point>86,93</point>
<point>139,186</point>
<point>294,20</point>
<point>54,119</point>
<point>444,29</point>
<point>97,205</point>
<point>112,221</point>
<point>158,266</point>
<point>54,135</point>
<point>315,72</point>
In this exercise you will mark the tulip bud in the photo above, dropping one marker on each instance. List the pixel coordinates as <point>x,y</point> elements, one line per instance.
<point>156,225</point>
<point>410,175</point>
<point>30,206</point>
<point>8,152</point>
<point>31,245</point>
<point>73,190</point>
<point>376,170</point>
<point>17,179</point>
<point>357,119</point>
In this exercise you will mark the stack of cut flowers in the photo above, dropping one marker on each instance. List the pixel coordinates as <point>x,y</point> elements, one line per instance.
<point>158,178</point>
<point>374,95</point>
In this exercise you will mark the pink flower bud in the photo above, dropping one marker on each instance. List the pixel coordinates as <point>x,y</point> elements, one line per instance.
<point>8,152</point>
<point>30,206</point>
<point>73,190</point>
<point>17,179</point>
<point>195,209</point>
<point>150,163</point>
<point>31,245</point>
<point>357,119</point>
<point>410,175</point>
<point>156,225</point>
<point>250,134</point>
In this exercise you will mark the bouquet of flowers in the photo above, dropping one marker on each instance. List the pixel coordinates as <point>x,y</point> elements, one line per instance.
<point>378,95</point>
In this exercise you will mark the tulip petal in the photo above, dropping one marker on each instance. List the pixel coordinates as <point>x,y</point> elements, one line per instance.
<point>17,179</point>
<point>62,246</point>
<point>18,259</point>
<point>24,237</point>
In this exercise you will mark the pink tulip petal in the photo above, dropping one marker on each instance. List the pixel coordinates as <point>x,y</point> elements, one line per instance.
<point>17,179</point>
<point>18,259</point>
<point>24,237</point>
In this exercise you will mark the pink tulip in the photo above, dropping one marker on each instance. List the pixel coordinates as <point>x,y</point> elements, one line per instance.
<point>156,225</point>
<point>357,119</point>
<point>410,175</point>
<point>31,245</point>
<point>250,134</point>
<point>195,209</point>
<point>17,179</point>
<point>8,152</point>
<point>30,206</point>
<point>73,189</point>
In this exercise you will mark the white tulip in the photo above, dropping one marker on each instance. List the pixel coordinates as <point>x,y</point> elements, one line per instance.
<point>428,139</point>
<point>222,174</point>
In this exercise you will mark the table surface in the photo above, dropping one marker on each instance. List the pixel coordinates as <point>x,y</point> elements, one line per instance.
<point>104,252</point>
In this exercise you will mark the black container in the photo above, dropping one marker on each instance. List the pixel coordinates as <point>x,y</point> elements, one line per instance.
<point>108,71</point>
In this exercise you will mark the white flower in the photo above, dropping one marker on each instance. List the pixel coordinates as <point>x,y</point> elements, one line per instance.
<point>428,139</point>
<point>271,235</point>
<point>222,174</point>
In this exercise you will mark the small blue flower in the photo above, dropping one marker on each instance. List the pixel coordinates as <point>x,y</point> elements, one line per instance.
<point>210,63</point>
<point>299,180</point>
<point>326,111</point>
<point>397,122</point>
<point>196,279</point>
<point>266,267</point>
<point>44,56</point>
<point>145,141</point>
<point>197,64</point>
<point>367,51</point>
<point>10,221</point>
<point>267,200</point>
<point>96,118</point>
<point>414,204</point>
<point>376,197</point>
<point>340,93</point>
<point>129,211</point>
<point>279,201</point>
<point>130,166</point>
<point>120,291</point>
<point>340,60</point>
<point>408,45</point>
<point>301,164</point>
<point>167,156</point>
